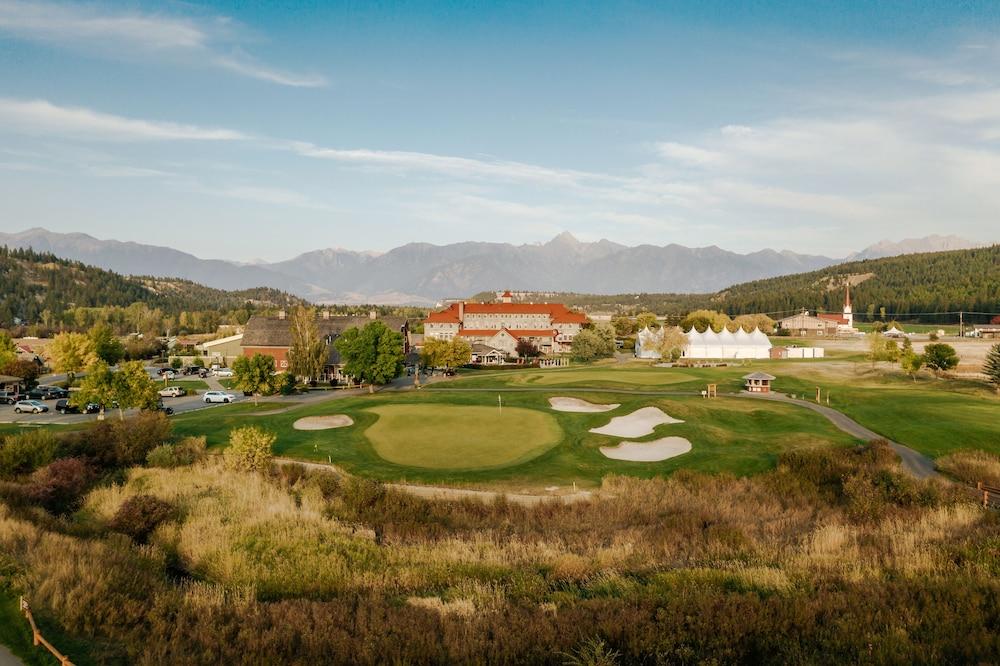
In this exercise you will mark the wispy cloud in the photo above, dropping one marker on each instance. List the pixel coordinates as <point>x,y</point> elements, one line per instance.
<point>197,42</point>
<point>43,117</point>
<point>460,167</point>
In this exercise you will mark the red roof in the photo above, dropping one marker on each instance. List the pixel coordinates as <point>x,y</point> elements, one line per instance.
<point>557,312</point>
<point>840,319</point>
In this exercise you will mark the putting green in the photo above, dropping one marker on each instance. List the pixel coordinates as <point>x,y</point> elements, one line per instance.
<point>462,437</point>
<point>599,376</point>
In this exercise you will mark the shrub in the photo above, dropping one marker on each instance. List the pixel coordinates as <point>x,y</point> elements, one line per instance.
<point>176,363</point>
<point>25,452</point>
<point>185,452</point>
<point>139,515</point>
<point>60,485</point>
<point>249,449</point>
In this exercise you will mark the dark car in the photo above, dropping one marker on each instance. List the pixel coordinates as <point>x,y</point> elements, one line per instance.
<point>43,392</point>
<point>64,406</point>
<point>9,397</point>
<point>163,408</point>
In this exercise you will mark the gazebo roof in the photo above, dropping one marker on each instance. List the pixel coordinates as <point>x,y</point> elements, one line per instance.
<point>760,376</point>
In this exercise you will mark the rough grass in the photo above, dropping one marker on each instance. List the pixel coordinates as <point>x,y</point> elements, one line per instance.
<point>691,568</point>
<point>459,437</point>
<point>972,467</point>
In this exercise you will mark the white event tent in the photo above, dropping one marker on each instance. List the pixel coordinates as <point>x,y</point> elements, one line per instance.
<point>709,344</point>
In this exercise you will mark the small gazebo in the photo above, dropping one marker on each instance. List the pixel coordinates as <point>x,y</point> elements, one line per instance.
<point>758,382</point>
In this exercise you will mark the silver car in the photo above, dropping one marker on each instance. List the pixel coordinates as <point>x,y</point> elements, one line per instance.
<point>30,406</point>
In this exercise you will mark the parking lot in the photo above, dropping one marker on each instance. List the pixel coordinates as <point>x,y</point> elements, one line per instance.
<point>181,404</point>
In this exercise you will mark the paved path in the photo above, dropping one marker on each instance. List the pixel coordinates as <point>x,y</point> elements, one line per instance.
<point>913,462</point>
<point>7,658</point>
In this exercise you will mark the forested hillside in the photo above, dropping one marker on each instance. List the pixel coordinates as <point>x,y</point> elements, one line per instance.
<point>915,287</point>
<point>42,289</point>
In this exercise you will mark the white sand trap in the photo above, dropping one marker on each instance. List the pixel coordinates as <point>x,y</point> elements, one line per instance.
<point>637,424</point>
<point>658,449</point>
<point>323,422</point>
<point>577,405</point>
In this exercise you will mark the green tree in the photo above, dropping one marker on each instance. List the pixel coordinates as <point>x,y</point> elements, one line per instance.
<point>911,363</point>
<point>591,344</point>
<point>372,355</point>
<point>129,387</point>
<point>644,320</point>
<point>308,353</point>
<point>703,319</point>
<point>254,375</point>
<point>72,353</point>
<point>881,348</point>
<point>991,367</point>
<point>249,449</point>
<point>106,345</point>
<point>434,353</point>
<point>459,353</point>
<point>624,326</point>
<point>8,350</point>
<point>940,357</point>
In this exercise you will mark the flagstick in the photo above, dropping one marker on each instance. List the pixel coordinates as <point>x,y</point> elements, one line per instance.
<point>499,406</point>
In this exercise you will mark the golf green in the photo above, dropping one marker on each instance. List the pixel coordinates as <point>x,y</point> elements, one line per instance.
<point>461,437</point>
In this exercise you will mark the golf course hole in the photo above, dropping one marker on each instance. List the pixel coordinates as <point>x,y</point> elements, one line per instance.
<point>655,451</point>
<point>637,424</point>
<point>323,422</point>
<point>465,437</point>
<point>576,405</point>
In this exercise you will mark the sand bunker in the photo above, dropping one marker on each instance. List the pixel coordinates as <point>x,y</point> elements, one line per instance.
<point>577,405</point>
<point>637,424</point>
<point>659,449</point>
<point>323,422</point>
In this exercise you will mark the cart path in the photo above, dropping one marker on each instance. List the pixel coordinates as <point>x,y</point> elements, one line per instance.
<point>913,462</point>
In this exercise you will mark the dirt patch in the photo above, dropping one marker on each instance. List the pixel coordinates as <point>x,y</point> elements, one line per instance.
<point>323,422</point>
<point>637,424</point>
<point>659,449</point>
<point>577,405</point>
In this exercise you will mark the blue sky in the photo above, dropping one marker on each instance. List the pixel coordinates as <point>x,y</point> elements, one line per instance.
<point>261,130</point>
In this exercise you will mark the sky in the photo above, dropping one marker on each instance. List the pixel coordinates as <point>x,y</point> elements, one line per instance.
<point>252,130</point>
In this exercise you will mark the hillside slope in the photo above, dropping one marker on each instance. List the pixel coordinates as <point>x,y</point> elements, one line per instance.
<point>38,286</point>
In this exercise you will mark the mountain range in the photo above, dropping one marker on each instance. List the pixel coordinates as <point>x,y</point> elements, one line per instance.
<point>422,273</point>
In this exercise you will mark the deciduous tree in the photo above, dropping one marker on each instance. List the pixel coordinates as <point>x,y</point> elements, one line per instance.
<point>254,375</point>
<point>645,320</point>
<point>107,346</point>
<point>8,350</point>
<point>940,357</point>
<point>372,355</point>
<point>129,387</point>
<point>308,353</point>
<point>71,353</point>
<point>671,343</point>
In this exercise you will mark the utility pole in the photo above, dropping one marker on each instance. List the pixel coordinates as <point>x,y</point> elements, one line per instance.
<point>961,324</point>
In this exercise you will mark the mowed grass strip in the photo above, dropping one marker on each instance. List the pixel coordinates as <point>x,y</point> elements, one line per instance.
<point>456,437</point>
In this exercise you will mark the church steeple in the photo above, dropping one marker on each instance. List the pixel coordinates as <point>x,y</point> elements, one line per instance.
<point>848,311</point>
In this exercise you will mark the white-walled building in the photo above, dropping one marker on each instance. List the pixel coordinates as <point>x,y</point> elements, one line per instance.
<point>549,326</point>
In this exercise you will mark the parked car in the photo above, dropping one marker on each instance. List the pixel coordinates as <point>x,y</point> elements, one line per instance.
<point>167,373</point>
<point>64,406</point>
<point>44,392</point>
<point>30,406</point>
<point>218,396</point>
<point>172,392</point>
<point>192,370</point>
<point>9,397</point>
<point>163,408</point>
<point>224,372</point>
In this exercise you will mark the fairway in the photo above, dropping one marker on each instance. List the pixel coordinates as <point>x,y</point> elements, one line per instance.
<point>595,376</point>
<point>454,437</point>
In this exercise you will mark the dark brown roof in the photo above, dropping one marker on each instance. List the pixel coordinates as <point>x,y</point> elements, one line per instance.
<point>275,332</point>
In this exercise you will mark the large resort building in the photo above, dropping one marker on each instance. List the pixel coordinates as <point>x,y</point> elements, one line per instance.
<point>550,327</point>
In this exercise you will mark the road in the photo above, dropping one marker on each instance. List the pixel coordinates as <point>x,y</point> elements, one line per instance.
<point>7,658</point>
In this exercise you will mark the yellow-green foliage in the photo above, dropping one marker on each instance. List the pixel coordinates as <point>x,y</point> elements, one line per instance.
<point>249,449</point>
